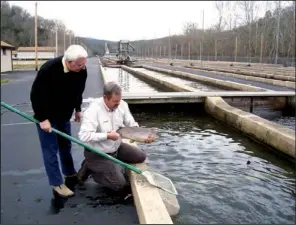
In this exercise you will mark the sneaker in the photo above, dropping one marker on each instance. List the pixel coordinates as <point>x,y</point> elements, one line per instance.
<point>62,191</point>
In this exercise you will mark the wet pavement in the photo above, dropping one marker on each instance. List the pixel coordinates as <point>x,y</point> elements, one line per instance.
<point>220,77</point>
<point>25,193</point>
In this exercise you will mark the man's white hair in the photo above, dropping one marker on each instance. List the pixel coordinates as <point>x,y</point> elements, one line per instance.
<point>74,52</point>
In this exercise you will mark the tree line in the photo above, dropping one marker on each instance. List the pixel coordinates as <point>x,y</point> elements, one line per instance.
<point>240,35</point>
<point>18,29</point>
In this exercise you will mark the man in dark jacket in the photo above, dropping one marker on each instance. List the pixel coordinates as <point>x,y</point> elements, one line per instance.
<point>55,94</point>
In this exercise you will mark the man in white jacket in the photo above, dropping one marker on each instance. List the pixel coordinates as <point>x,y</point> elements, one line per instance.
<point>98,129</point>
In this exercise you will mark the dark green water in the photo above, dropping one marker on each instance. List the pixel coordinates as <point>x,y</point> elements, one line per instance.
<point>282,117</point>
<point>207,161</point>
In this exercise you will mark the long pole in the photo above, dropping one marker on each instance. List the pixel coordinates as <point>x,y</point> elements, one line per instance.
<point>215,49</point>
<point>182,51</point>
<point>169,51</point>
<point>261,49</point>
<point>64,40</point>
<point>201,44</point>
<point>188,50</point>
<point>235,49</point>
<point>277,34</point>
<point>56,39</point>
<point>36,40</point>
<point>70,138</point>
<point>256,39</point>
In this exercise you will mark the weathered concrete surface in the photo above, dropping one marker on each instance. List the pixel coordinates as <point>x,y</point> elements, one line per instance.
<point>25,192</point>
<point>274,102</point>
<point>207,80</point>
<point>209,74</point>
<point>283,81</point>
<point>272,134</point>
<point>161,81</point>
<point>153,205</point>
<point>262,72</point>
<point>292,101</point>
<point>272,68</point>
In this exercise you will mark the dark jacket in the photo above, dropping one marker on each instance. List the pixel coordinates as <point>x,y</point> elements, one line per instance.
<point>55,94</point>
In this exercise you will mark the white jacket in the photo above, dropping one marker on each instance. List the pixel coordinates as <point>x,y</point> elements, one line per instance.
<point>98,120</point>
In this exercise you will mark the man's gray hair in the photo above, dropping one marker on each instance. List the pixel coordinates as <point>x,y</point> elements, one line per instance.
<point>74,52</point>
<point>111,88</point>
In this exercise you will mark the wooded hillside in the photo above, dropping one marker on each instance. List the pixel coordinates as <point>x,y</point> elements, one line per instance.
<point>224,41</point>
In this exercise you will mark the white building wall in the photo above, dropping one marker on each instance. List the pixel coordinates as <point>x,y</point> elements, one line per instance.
<point>6,62</point>
<point>31,55</point>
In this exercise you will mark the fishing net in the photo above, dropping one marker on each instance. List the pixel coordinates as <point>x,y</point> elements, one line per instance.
<point>167,191</point>
<point>160,181</point>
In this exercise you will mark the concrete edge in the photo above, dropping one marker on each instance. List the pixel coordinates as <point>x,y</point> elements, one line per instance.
<point>217,63</point>
<point>258,70</point>
<point>246,76</point>
<point>208,80</point>
<point>161,81</point>
<point>277,136</point>
<point>150,206</point>
<point>102,73</point>
<point>153,205</point>
<point>251,71</point>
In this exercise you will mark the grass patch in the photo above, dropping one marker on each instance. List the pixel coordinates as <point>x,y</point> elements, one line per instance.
<point>27,66</point>
<point>4,81</point>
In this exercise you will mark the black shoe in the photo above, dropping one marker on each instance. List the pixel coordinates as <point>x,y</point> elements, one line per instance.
<point>71,182</point>
<point>83,173</point>
<point>124,192</point>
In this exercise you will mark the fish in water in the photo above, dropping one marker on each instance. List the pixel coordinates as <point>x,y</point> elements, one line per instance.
<point>139,134</point>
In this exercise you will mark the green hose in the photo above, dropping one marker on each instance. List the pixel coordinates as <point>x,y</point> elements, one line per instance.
<point>10,108</point>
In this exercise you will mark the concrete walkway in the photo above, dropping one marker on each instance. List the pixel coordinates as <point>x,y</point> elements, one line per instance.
<point>216,76</point>
<point>25,193</point>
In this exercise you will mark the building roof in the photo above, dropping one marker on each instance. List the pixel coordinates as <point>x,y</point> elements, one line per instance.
<point>4,44</point>
<point>40,49</point>
<point>14,52</point>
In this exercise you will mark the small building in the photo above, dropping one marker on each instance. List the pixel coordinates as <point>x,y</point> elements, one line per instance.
<point>28,53</point>
<point>6,57</point>
<point>14,54</point>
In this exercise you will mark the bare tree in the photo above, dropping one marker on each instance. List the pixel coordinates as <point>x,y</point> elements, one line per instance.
<point>220,6</point>
<point>190,28</point>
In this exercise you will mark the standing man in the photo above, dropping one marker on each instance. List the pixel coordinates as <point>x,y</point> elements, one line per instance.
<point>55,94</point>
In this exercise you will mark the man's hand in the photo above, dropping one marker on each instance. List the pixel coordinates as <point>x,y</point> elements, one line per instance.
<point>78,116</point>
<point>45,125</point>
<point>113,135</point>
<point>149,140</point>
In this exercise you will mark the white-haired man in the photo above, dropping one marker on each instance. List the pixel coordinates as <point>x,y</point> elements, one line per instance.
<point>56,92</point>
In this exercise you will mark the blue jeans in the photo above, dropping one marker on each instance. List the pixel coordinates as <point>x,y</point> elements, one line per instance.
<point>51,144</point>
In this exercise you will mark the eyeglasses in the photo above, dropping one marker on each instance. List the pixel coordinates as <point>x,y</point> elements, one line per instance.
<point>80,66</point>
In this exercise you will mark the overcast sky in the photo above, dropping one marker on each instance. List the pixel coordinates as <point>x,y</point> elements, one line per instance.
<point>125,20</point>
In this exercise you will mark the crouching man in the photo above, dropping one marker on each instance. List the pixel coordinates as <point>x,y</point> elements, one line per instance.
<point>98,129</point>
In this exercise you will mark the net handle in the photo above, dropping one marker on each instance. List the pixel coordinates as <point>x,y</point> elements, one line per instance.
<point>28,117</point>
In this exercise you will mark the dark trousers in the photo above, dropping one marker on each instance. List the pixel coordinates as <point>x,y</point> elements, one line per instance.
<point>51,144</point>
<point>108,173</point>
